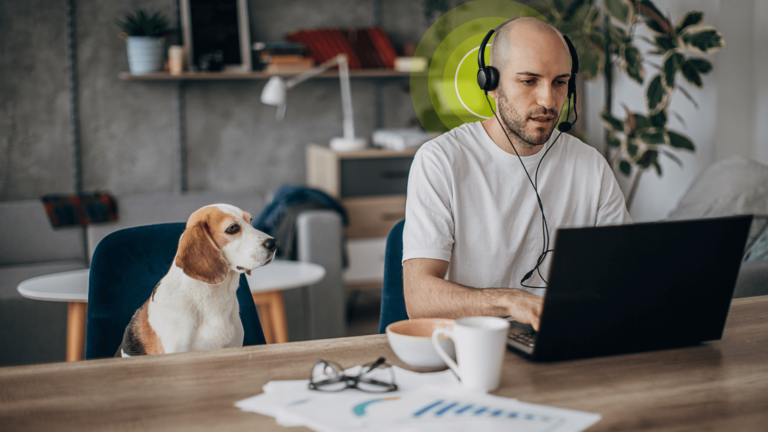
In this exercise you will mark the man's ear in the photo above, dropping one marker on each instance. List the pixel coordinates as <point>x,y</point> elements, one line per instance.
<point>199,257</point>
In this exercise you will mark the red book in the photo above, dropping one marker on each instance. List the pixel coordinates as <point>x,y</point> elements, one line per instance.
<point>327,48</point>
<point>383,46</point>
<point>339,42</point>
<point>361,43</point>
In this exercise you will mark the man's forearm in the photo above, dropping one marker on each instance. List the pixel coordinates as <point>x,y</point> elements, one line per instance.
<point>428,295</point>
<point>432,297</point>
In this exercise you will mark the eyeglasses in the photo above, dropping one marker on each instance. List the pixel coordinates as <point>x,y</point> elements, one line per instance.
<point>376,377</point>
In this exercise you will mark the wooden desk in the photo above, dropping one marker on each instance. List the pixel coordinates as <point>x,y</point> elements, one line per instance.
<point>718,386</point>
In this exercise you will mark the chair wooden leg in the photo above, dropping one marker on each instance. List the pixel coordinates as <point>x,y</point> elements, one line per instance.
<point>272,316</point>
<point>278,317</point>
<point>76,316</point>
<point>264,303</point>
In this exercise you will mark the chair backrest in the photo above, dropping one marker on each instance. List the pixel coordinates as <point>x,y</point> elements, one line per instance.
<point>126,266</point>
<point>392,299</point>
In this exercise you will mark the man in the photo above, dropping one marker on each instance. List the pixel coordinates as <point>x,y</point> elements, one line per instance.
<point>471,212</point>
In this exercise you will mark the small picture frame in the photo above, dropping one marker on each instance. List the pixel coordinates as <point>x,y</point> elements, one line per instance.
<point>216,35</point>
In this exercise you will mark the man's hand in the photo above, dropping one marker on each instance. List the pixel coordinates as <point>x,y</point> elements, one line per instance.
<point>428,295</point>
<point>525,307</point>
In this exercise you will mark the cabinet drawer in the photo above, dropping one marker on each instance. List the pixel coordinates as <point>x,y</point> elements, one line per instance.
<point>374,177</point>
<point>373,217</point>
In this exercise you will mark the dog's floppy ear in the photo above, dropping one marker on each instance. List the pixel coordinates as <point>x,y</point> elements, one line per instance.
<point>199,257</point>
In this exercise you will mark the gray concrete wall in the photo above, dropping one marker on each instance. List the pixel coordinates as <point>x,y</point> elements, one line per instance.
<point>34,113</point>
<point>129,129</point>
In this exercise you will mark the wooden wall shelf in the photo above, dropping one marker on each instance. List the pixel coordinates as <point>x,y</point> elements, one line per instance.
<point>200,76</point>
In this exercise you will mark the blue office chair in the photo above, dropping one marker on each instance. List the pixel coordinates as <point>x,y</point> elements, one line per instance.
<point>392,299</point>
<point>126,266</point>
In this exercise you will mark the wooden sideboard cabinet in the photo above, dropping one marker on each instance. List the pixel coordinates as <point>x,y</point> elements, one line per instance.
<point>371,185</point>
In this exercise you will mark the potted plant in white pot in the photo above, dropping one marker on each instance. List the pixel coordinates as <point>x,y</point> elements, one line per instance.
<point>145,37</point>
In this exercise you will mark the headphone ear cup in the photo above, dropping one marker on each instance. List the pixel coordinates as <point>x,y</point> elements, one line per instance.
<point>482,78</point>
<point>493,78</point>
<point>572,85</point>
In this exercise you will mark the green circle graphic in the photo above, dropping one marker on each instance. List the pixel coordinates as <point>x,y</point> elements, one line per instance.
<point>447,95</point>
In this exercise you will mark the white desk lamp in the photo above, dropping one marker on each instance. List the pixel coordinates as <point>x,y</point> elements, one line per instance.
<point>274,93</point>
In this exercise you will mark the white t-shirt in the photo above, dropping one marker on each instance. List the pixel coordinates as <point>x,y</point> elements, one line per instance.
<point>470,203</point>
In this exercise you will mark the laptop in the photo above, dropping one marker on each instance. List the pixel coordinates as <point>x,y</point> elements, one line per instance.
<point>632,288</point>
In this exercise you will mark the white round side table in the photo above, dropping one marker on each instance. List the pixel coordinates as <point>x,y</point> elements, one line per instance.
<point>266,285</point>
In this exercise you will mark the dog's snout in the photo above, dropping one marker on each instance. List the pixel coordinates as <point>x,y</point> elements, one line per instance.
<point>269,244</point>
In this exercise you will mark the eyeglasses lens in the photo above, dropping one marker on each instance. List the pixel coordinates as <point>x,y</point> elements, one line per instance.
<point>380,379</point>
<point>328,377</point>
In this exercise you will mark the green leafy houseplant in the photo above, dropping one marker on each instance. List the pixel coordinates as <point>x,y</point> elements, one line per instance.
<point>143,24</point>
<point>604,37</point>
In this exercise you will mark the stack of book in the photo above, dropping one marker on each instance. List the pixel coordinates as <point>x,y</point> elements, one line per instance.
<point>281,57</point>
<point>366,48</point>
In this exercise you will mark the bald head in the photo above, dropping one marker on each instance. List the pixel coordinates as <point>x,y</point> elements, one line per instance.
<point>522,32</point>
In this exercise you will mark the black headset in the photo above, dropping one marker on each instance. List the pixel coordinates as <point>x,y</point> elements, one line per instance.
<point>488,76</point>
<point>488,79</point>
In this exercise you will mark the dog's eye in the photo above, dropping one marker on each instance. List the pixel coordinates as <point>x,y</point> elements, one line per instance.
<point>233,229</point>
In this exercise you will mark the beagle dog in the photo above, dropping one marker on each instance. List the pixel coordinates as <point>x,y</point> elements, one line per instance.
<point>194,306</point>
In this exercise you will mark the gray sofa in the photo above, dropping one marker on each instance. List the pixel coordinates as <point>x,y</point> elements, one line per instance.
<point>35,331</point>
<point>734,186</point>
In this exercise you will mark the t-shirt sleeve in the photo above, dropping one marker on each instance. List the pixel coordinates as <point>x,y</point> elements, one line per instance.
<point>428,231</point>
<point>612,208</point>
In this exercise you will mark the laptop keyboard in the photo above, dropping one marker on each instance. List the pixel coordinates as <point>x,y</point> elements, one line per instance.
<point>526,338</point>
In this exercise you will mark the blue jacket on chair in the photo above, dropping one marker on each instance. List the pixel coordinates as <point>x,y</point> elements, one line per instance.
<point>392,298</point>
<point>126,266</point>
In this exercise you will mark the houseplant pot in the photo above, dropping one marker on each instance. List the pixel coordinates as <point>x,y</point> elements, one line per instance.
<point>145,38</point>
<point>145,54</point>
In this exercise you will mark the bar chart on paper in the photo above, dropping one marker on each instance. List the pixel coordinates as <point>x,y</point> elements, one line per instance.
<point>432,409</point>
<point>522,420</point>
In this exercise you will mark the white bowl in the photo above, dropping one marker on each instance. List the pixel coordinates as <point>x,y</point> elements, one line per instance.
<point>411,340</point>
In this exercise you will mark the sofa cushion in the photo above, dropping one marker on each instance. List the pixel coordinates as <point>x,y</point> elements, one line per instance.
<point>733,186</point>
<point>11,276</point>
<point>29,238</point>
<point>148,209</point>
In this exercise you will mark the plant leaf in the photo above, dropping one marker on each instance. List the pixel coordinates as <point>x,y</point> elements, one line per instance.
<point>669,68</point>
<point>625,167</point>
<point>612,141</point>
<point>691,18</point>
<point>641,122</point>
<point>674,158</point>
<point>656,21</point>
<point>653,136</point>
<point>702,39</point>
<point>665,44</point>
<point>611,123</point>
<point>688,96</point>
<point>619,10</point>
<point>574,5</point>
<point>656,96</point>
<point>558,6</point>
<point>679,141</point>
<point>632,148</point>
<point>702,66</point>
<point>590,57</point>
<point>659,119</point>
<point>690,74</point>
<point>633,63</point>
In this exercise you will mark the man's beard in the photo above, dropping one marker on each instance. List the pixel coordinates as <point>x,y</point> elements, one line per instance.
<point>515,123</point>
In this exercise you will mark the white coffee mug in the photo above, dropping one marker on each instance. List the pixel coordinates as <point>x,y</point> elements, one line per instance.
<point>480,344</point>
